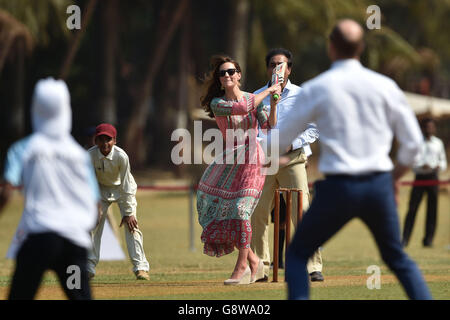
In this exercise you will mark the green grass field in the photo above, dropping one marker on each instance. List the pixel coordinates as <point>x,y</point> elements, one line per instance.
<point>178,273</point>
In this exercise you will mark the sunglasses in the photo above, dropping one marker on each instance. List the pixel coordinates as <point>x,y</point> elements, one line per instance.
<point>230,72</point>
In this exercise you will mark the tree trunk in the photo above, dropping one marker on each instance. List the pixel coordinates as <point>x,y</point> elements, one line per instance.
<point>134,140</point>
<point>183,89</point>
<point>7,42</point>
<point>238,37</point>
<point>107,104</point>
<point>75,44</point>
<point>18,116</point>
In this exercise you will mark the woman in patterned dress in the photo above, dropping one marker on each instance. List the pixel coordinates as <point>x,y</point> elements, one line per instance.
<point>229,191</point>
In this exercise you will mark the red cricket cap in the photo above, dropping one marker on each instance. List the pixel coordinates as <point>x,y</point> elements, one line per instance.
<point>105,129</point>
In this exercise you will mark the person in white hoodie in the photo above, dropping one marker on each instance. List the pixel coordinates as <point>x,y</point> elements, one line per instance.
<point>61,198</point>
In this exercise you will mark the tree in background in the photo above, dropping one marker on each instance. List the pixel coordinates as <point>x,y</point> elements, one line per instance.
<point>24,26</point>
<point>16,42</point>
<point>138,64</point>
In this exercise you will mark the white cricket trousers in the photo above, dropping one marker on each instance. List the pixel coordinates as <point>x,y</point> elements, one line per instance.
<point>134,243</point>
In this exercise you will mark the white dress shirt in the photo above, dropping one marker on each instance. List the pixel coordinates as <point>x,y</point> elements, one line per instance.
<point>357,112</point>
<point>285,108</point>
<point>432,154</point>
<point>114,177</point>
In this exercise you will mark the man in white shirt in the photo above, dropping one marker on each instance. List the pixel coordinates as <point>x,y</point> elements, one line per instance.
<point>291,175</point>
<point>430,161</point>
<point>61,196</point>
<point>357,112</point>
<point>112,168</point>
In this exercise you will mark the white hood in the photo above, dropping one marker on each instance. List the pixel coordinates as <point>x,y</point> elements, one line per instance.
<point>50,110</point>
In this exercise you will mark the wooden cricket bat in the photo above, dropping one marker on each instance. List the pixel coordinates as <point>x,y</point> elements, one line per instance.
<point>278,76</point>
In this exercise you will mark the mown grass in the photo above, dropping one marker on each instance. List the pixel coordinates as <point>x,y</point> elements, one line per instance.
<point>179,273</point>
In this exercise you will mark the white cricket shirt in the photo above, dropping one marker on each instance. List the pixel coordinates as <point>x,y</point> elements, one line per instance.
<point>432,153</point>
<point>114,177</point>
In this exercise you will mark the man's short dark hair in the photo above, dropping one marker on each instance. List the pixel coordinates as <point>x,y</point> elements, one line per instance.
<point>277,51</point>
<point>344,47</point>
<point>425,121</point>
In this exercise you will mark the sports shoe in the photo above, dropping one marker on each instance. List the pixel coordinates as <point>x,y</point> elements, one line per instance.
<point>316,276</point>
<point>263,279</point>
<point>142,275</point>
<point>90,275</point>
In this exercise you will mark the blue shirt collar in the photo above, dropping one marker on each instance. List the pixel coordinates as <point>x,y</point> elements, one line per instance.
<point>287,87</point>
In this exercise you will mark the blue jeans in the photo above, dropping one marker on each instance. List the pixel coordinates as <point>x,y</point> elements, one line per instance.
<point>337,200</point>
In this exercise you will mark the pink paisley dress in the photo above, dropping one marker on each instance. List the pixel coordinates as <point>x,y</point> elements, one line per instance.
<point>229,191</point>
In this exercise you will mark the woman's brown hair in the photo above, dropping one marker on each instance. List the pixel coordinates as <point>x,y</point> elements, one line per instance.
<point>212,82</point>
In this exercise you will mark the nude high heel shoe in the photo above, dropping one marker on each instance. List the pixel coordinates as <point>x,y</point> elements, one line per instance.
<point>259,272</point>
<point>244,279</point>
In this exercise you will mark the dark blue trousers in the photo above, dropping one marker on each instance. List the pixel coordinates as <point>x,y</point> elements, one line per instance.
<point>337,200</point>
<point>417,193</point>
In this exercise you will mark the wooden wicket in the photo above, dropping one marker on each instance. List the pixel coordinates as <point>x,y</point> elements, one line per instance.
<point>276,233</point>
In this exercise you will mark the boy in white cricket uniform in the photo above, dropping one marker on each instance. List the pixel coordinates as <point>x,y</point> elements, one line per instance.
<point>116,183</point>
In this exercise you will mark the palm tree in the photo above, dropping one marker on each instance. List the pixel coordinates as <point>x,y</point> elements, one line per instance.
<point>107,103</point>
<point>24,25</point>
<point>76,39</point>
<point>238,34</point>
<point>39,17</point>
<point>135,137</point>
<point>15,42</point>
<point>11,32</point>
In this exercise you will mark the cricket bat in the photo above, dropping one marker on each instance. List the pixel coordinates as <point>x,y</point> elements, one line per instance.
<point>278,76</point>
